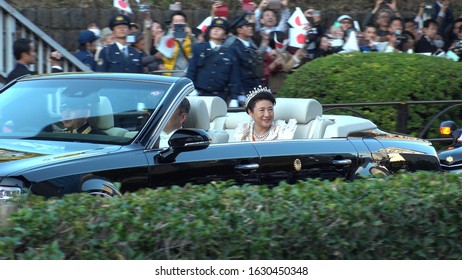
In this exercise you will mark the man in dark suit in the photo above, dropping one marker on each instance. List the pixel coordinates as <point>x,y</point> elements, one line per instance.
<point>25,54</point>
<point>426,43</point>
<point>210,67</point>
<point>248,68</point>
<point>119,56</point>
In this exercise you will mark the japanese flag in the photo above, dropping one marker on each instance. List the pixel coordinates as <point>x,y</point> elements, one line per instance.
<point>167,45</point>
<point>204,24</point>
<point>123,5</point>
<point>297,37</point>
<point>297,19</point>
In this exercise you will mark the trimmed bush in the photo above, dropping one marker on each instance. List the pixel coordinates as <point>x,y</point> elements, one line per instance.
<point>380,77</point>
<point>407,216</point>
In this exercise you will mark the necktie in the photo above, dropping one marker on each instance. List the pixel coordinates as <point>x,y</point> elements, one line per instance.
<point>125,51</point>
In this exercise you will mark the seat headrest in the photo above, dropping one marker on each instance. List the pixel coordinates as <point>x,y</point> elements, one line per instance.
<point>198,116</point>
<point>216,106</point>
<point>302,110</point>
<point>102,114</point>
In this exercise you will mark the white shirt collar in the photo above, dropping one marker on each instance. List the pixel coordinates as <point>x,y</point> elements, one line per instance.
<point>213,45</point>
<point>246,43</point>
<point>120,46</point>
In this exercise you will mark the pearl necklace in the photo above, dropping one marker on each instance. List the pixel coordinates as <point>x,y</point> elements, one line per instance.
<point>261,137</point>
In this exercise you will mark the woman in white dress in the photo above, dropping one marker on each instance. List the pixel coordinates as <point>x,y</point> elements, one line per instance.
<point>260,106</point>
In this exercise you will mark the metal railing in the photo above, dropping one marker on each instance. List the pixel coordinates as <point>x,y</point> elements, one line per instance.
<point>13,25</point>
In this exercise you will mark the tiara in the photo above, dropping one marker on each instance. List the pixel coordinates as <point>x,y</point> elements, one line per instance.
<point>254,93</point>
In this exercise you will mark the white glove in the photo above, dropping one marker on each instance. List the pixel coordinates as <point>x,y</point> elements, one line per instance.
<point>233,103</point>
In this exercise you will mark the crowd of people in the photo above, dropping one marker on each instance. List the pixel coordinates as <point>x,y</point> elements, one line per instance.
<point>232,57</point>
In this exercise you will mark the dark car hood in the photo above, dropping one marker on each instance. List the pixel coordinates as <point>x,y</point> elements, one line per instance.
<point>19,155</point>
<point>451,156</point>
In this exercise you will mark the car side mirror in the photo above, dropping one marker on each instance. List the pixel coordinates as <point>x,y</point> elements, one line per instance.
<point>449,128</point>
<point>184,140</point>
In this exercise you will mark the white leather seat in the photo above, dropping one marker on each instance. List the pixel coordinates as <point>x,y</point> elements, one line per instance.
<point>217,109</point>
<point>103,118</point>
<point>307,113</point>
<point>198,117</point>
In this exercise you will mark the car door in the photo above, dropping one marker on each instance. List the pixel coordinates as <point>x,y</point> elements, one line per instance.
<point>309,158</point>
<point>220,162</point>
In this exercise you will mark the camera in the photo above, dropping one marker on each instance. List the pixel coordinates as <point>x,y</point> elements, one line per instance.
<point>311,34</point>
<point>400,38</point>
<point>143,8</point>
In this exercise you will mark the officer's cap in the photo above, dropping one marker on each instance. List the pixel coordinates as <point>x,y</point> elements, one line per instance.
<point>120,19</point>
<point>87,36</point>
<point>219,22</point>
<point>76,103</point>
<point>240,21</point>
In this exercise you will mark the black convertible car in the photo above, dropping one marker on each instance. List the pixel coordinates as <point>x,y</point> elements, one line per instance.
<point>129,112</point>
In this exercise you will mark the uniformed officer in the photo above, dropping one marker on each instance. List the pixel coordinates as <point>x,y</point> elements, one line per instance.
<point>211,65</point>
<point>87,47</point>
<point>119,56</point>
<point>248,68</point>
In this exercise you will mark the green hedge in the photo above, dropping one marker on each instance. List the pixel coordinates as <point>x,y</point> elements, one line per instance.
<point>380,77</point>
<point>407,216</point>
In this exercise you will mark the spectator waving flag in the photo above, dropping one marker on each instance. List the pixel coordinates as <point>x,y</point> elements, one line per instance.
<point>123,5</point>
<point>167,45</point>
<point>297,19</point>
<point>204,24</point>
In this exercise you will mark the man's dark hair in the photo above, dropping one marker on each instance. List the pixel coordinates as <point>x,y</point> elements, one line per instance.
<point>178,13</point>
<point>20,46</point>
<point>429,22</point>
<point>185,106</point>
<point>397,19</point>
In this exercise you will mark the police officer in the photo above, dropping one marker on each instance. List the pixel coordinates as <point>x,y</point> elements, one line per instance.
<point>119,56</point>
<point>211,65</point>
<point>87,47</point>
<point>248,68</point>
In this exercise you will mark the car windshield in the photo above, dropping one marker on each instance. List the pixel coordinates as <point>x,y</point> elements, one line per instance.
<point>89,110</point>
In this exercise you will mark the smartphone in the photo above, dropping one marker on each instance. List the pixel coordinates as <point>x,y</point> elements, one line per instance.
<point>222,11</point>
<point>179,31</point>
<point>274,4</point>
<point>131,39</point>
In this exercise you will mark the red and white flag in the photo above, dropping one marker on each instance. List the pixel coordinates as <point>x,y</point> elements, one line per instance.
<point>167,45</point>
<point>123,5</point>
<point>297,19</point>
<point>204,24</point>
<point>280,46</point>
<point>297,37</point>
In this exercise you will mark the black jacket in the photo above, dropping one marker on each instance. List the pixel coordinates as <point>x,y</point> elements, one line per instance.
<point>18,71</point>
